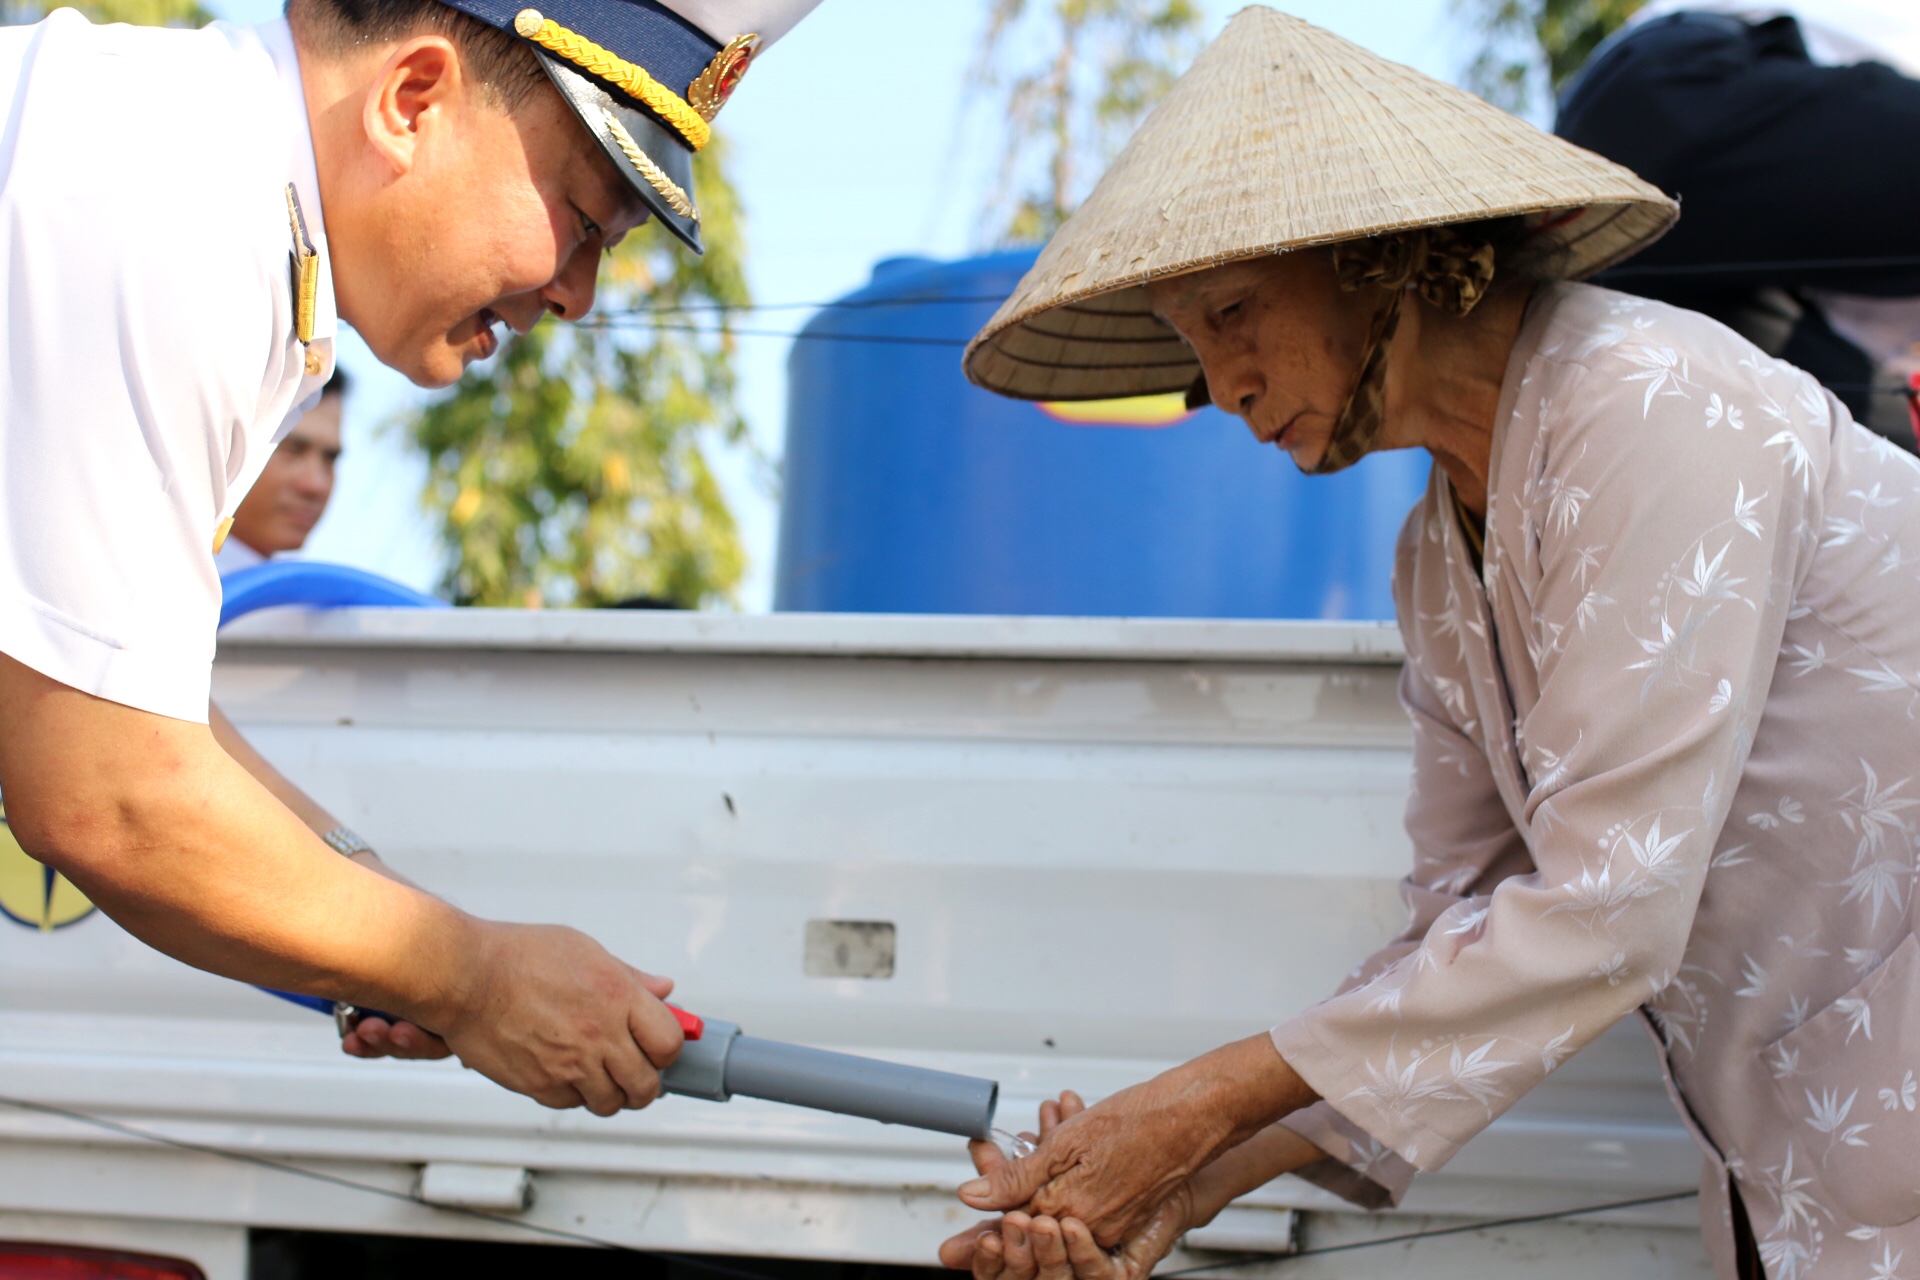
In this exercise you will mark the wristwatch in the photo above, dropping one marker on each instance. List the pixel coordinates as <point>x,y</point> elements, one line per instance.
<point>346,842</point>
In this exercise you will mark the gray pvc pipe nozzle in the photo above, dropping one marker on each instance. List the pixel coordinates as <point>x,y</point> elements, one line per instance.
<point>724,1062</point>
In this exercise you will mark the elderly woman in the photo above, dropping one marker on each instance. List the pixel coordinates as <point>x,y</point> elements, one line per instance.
<point>1663,667</point>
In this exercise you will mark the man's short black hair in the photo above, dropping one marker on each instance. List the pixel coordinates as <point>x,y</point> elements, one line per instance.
<point>502,62</point>
<point>339,384</point>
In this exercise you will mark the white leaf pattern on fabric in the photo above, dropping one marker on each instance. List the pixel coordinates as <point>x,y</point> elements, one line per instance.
<point>1655,856</point>
<point>1859,1016</point>
<point>1743,511</point>
<point>1708,584</point>
<point>1862,958</point>
<point>1719,411</point>
<point>1471,1076</point>
<point>1828,1114</point>
<point>1795,1205</point>
<point>1663,370</point>
<point>1807,661</point>
<point>1883,680</point>
<point>1557,1050</point>
<point>1797,455</point>
<point>1888,1265</point>
<point>1786,1259</point>
<point>1722,697</point>
<point>1732,856</point>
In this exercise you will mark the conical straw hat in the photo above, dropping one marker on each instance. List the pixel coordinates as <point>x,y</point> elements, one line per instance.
<point>1283,135</point>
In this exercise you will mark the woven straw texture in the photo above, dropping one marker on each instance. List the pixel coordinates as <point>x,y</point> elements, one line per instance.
<point>1283,135</point>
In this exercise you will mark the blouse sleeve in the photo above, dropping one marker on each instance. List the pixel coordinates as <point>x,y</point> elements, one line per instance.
<point>1668,547</point>
<point>1463,844</point>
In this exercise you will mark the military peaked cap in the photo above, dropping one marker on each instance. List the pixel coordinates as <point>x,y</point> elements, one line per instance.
<point>647,77</point>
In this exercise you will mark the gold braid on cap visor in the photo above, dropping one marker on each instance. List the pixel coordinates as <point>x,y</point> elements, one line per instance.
<point>670,191</point>
<point>617,71</point>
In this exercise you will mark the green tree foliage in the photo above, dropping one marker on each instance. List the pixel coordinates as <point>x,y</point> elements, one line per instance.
<point>1071,79</point>
<point>572,468</point>
<point>145,13</point>
<point>1529,49</point>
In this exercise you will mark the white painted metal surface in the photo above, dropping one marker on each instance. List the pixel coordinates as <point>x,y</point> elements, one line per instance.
<point>1104,846</point>
<point>494,1188</point>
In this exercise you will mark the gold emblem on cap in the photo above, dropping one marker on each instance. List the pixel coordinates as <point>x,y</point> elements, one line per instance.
<point>220,533</point>
<point>716,84</point>
<point>617,71</point>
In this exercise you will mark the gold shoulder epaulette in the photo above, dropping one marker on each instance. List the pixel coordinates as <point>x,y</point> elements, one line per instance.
<point>306,277</point>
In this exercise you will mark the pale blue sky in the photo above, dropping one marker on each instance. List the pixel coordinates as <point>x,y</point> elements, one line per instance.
<point>850,147</point>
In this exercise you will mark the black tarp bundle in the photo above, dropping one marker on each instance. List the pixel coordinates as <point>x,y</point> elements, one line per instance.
<point>1794,178</point>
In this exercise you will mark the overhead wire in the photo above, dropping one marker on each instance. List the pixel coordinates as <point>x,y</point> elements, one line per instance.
<point>698,1263</point>
<point>620,317</point>
<point>936,299</point>
<point>884,339</point>
<point>835,304</point>
<point>1433,1233</point>
<point>372,1189</point>
<point>933,299</point>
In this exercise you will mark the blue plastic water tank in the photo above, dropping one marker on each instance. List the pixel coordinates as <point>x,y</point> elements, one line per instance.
<point>909,490</point>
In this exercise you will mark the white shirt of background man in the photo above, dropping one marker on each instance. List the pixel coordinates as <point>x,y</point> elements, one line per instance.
<point>148,360</point>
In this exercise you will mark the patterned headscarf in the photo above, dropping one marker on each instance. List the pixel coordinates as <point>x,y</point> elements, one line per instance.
<point>1449,269</point>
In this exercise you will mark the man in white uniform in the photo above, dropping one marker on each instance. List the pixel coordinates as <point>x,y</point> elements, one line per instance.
<point>183,217</point>
<point>291,495</point>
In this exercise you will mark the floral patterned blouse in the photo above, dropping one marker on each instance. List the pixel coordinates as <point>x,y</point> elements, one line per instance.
<point>1665,758</point>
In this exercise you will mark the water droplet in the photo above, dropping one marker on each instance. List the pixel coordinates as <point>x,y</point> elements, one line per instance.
<point>1012,1145</point>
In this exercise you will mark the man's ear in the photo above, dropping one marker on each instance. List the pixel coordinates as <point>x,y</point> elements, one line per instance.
<point>419,82</point>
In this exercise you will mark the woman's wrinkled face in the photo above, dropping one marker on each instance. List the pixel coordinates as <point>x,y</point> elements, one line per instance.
<point>1279,341</point>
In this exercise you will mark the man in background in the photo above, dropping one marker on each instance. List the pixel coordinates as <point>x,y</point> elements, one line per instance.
<point>291,494</point>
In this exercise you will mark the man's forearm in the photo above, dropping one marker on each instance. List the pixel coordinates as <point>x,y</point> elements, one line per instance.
<point>257,897</point>
<point>303,806</point>
<point>187,851</point>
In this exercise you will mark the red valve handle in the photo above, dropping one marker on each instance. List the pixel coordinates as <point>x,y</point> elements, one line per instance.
<point>691,1024</point>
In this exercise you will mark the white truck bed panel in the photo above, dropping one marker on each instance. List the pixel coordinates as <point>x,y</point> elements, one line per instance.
<point>1104,845</point>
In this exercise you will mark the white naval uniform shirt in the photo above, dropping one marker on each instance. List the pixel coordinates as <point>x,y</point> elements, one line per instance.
<point>148,360</point>
<point>235,556</point>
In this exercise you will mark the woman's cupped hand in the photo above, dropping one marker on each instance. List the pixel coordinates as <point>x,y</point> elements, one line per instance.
<point>1039,1246</point>
<point>1113,1165</point>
